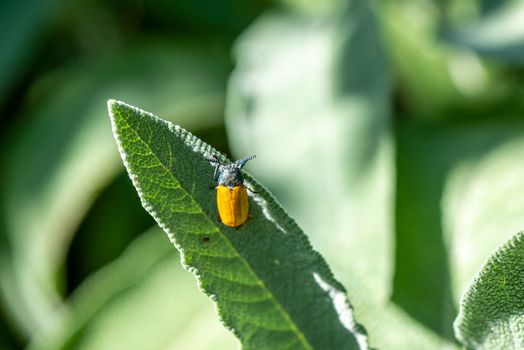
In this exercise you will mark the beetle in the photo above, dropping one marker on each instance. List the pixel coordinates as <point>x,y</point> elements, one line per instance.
<point>232,201</point>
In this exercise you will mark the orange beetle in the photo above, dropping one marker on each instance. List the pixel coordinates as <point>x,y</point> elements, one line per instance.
<point>232,201</point>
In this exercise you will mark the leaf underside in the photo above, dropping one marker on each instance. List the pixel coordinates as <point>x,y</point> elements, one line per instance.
<point>492,309</point>
<point>272,290</point>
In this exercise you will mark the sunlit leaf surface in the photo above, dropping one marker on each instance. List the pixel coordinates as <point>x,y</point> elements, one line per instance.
<point>272,290</point>
<point>492,309</point>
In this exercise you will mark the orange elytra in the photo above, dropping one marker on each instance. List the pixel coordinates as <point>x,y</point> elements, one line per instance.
<point>232,204</point>
<point>232,200</point>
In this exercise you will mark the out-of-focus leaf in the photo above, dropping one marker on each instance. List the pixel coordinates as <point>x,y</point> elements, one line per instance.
<point>21,25</point>
<point>143,300</point>
<point>90,248</point>
<point>488,6</point>
<point>302,81</point>
<point>8,340</point>
<point>227,17</point>
<point>483,200</point>
<point>499,34</point>
<point>437,80</point>
<point>492,309</point>
<point>456,202</point>
<point>272,290</point>
<point>422,281</point>
<point>310,96</point>
<point>314,8</point>
<point>63,154</point>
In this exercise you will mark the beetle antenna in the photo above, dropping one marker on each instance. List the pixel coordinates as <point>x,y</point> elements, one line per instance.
<point>241,162</point>
<point>213,159</point>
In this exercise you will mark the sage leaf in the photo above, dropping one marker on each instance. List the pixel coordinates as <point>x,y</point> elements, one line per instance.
<point>492,309</point>
<point>272,290</point>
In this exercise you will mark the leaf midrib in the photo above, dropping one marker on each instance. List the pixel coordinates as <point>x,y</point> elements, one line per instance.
<point>281,309</point>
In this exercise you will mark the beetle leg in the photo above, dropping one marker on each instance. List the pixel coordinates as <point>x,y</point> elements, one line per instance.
<point>250,190</point>
<point>214,160</point>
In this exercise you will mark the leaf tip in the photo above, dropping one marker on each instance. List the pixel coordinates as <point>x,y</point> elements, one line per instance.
<point>112,105</point>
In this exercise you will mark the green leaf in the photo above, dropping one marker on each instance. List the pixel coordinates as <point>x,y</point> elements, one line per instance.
<point>487,6</point>
<point>272,290</point>
<point>329,109</point>
<point>21,27</point>
<point>492,309</point>
<point>457,78</point>
<point>482,199</point>
<point>498,35</point>
<point>62,154</point>
<point>457,199</point>
<point>139,301</point>
<point>228,17</point>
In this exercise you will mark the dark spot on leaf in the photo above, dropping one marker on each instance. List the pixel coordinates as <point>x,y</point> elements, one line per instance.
<point>205,239</point>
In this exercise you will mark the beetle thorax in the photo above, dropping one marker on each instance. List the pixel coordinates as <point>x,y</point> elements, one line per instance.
<point>230,176</point>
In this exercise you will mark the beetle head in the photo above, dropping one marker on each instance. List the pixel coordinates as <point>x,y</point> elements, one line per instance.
<point>229,175</point>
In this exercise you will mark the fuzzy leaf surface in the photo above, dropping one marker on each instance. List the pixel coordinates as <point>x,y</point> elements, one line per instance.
<point>492,309</point>
<point>272,290</point>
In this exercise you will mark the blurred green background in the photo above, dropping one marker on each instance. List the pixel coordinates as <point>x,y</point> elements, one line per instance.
<point>391,130</point>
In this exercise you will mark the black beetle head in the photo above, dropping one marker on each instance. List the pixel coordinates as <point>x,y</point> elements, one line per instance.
<point>229,175</point>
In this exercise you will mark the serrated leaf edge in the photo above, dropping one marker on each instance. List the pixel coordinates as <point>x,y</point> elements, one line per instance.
<point>170,234</point>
